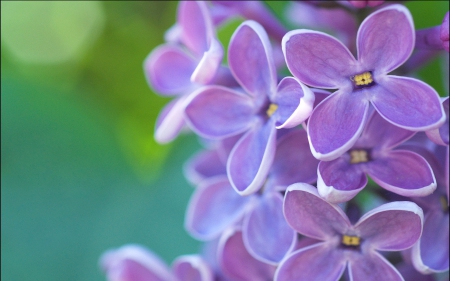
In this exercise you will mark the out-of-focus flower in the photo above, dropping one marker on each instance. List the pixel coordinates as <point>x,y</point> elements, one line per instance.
<point>440,135</point>
<point>401,171</point>
<point>364,3</point>
<point>393,226</point>
<point>219,112</point>
<point>385,40</point>
<point>435,38</point>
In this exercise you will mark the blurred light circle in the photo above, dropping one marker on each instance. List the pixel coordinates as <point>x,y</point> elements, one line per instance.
<point>49,31</point>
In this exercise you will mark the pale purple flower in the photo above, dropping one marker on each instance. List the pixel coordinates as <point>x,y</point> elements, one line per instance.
<point>177,70</point>
<point>364,3</point>
<point>385,41</point>
<point>219,112</point>
<point>214,206</point>
<point>136,263</point>
<point>400,171</point>
<point>441,135</point>
<point>393,226</point>
<point>435,38</point>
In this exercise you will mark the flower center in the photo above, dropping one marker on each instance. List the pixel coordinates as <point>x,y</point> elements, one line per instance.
<point>358,156</point>
<point>271,110</point>
<point>362,80</point>
<point>348,240</point>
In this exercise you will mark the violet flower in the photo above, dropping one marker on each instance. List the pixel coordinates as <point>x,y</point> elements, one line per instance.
<point>441,135</point>
<point>214,206</point>
<point>136,263</point>
<point>219,112</point>
<point>364,3</point>
<point>173,71</point>
<point>393,226</point>
<point>385,40</point>
<point>400,171</point>
<point>435,38</point>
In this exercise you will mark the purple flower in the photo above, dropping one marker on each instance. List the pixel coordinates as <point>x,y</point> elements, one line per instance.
<point>391,227</point>
<point>219,112</point>
<point>440,135</point>
<point>172,70</point>
<point>385,40</point>
<point>400,171</point>
<point>135,263</point>
<point>214,206</point>
<point>365,3</point>
<point>435,38</point>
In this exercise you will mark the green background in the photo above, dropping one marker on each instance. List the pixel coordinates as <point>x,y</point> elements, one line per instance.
<point>81,172</point>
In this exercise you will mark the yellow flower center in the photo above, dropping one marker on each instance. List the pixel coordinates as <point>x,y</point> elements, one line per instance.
<point>362,79</point>
<point>271,110</point>
<point>358,156</point>
<point>348,240</point>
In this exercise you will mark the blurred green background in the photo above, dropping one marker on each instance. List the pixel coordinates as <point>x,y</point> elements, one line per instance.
<point>81,172</point>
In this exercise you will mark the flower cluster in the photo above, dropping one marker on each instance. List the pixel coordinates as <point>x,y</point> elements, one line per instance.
<point>277,188</point>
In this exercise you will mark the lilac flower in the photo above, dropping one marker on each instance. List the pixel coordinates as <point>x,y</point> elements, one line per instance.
<point>214,206</point>
<point>391,227</point>
<point>385,40</point>
<point>173,71</point>
<point>219,112</point>
<point>434,37</point>
<point>440,135</point>
<point>236,263</point>
<point>365,3</point>
<point>135,263</point>
<point>400,171</point>
<point>408,272</point>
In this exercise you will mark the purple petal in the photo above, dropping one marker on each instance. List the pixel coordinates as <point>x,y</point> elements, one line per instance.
<point>373,267</point>
<point>440,135</point>
<point>431,254</point>
<point>393,226</point>
<point>444,33</point>
<point>219,112</point>
<point>208,65</point>
<point>237,263</point>
<point>204,164</point>
<point>295,103</point>
<point>196,26</point>
<point>403,172</point>
<point>409,273</point>
<point>386,39</point>
<point>251,158</point>
<point>380,133</point>
<point>213,207</point>
<point>168,70</point>
<point>317,59</point>
<point>312,216</point>
<point>192,268</point>
<point>317,262</point>
<point>339,181</point>
<point>134,262</point>
<point>250,59</point>
<point>170,121</point>
<point>267,236</point>
<point>293,160</point>
<point>336,123</point>
<point>408,103</point>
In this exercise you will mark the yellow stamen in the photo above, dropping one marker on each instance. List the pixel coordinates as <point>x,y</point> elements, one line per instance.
<point>350,240</point>
<point>271,110</point>
<point>362,79</point>
<point>358,156</point>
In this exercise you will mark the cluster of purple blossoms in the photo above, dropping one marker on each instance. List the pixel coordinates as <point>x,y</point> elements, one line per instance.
<point>277,188</point>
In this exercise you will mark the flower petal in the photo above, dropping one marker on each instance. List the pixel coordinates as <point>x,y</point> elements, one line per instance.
<point>440,135</point>
<point>250,160</point>
<point>266,234</point>
<point>207,67</point>
<point>213,207</point>
<point>318,59</point>
<point>168,70</point>
<point>317,262</point>
<point>339,181</point>
<point>408,103</point>
<point>192,268</point>
<point>236,263</point>
<point>403,172</point>
<point>409,273</point>
<point>431,253</point>
<point>312,216</point>
<point>196,26</point>
<point>336,123</point>
<point>134,262</point>
<point>170,121</point>
<point>204,164</point>
<point>393,226</point>
<point>293,161</point>
<point>386,39</point>
<point>219,112</point>
<point>372,267</point>
<point>295,103</point>
<point>250,59</point>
